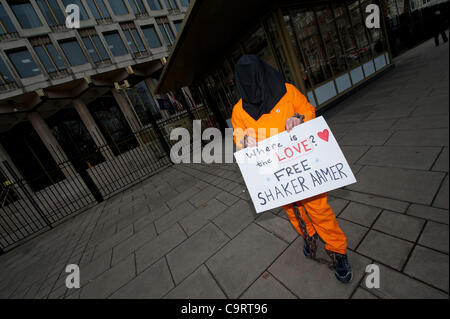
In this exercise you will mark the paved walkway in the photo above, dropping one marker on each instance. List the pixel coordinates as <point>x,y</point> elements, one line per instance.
<point>190,232</point>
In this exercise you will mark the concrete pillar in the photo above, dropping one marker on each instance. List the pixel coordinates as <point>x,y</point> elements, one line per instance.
<point>92,128</point>
<point>130,114</point>
<point>51,144</point>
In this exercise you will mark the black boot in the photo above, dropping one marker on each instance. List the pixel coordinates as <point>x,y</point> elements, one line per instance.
<point>310,246</point>
<point>342,269</point>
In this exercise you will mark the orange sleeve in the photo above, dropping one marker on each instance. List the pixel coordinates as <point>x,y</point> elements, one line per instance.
<point>301,104</point>
<point>239,127</point>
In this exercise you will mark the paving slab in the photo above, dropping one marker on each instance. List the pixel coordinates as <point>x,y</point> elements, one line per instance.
<point>429,213</point>
<point>429,266</point>
<point>435,236</point>
<point>232,265</point>
<point>267,287</point>
<point>354,153</point>
<point>441,164</point>
<point>363,294</point>
<point>369,199</point>
<point>167,220</point>
<point>385,249</point>
<point>408,185</point>
<point>441,200</point>
<point>158,247</point>
<point>420,123</point>
<point>365,138</point>
<point>131,244</point>
<point>111,280</point>
<point>395,285</point>
<point>353,232</point>
<point>235,218</point>
<point>154,282</point>
<point>278,226</point>
<point>199,285</point>
<point>337,204</point>
<point>195,250</point>
<point>309,279</point>
<point>200,217</point>
<point>360,214</point>
<point>399,225</point>
<point>430,137</point>
<point>95,268</point>
<point>412,157</point>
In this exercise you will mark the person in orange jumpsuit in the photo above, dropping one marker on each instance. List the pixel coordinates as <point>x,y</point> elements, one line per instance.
<point>269,106</point>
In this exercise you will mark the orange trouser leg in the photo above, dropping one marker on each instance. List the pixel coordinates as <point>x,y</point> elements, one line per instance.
<point>291,214</point>
<point>321,220</point>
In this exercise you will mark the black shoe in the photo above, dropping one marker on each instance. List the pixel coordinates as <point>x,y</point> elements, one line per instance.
<point>342,269</point>
<point>306,247</point>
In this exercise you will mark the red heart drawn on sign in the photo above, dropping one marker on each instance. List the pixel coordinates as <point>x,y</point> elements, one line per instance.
<point>324,135</point>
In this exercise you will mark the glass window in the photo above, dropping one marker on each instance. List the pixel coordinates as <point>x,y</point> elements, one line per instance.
<point>311,46</point>
<point>178,24</point>
<point>357,21</point>
<point>73,52</point>
<point>98,9</point>
<point>137,6</point>
<point>152,37</point>
<point>375,35</point>
<point>154,5</point>
<point>51,11</point>
<point>185,3</point>
<point>169,32</point>
<point>83,14</point>
<point>25,14</point>
<point>330,39</point>
<point>24,63</point>
<point>95,48</point>
<point>6,25</point>
<point>171,5</point>
<point>118,7</point>
<point>49,57</point>
<point>164,34</point>
<point>115,44</point>
<point>5,75</point>
<point>134,40</point>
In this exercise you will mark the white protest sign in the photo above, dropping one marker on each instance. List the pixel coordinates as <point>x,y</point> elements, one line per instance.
<point>290,167</point>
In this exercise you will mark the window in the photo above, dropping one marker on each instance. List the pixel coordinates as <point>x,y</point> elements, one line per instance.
<point>154,5</point>
<point>171,5</point>
<point>118,7</point>
<point>164,34</point>
<point>95,48</point>
<point>6,25</point>
<point>73,52</point>
<point>24,63</point>
<point>49,57</point>
<point>137,6</point>
<point>98,9</point>
<point>5,75</point>
<point>152,37</point>
<point>83,13</point>
<point>134,41</point>
<point>24,12</point>
<point>115,43</point>
<point>185,3</point>
<point>178,24</point>
<point>52,12</point>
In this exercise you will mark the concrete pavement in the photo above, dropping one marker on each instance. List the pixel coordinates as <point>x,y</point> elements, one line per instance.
<point>190,231</point>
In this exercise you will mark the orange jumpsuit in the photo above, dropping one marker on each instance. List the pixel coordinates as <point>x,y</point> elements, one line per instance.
<point>321,217</point>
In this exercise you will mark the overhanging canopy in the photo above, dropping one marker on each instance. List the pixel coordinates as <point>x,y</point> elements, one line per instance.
<point>209,29</point>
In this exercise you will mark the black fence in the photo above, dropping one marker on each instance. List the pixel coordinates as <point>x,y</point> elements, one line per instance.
<point>26,210</point>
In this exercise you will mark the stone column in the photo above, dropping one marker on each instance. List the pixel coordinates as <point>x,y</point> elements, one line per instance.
<point>51,144</point>
<point>129,113</point>
<point>92,128</point>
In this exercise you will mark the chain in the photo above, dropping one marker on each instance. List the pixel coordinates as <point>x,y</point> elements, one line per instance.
<point>312,242</point>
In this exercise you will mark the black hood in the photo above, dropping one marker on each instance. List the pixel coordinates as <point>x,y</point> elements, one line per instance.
<point>260,86</point>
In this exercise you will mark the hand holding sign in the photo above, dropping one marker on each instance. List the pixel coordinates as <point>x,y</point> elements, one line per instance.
<point>293,166</point>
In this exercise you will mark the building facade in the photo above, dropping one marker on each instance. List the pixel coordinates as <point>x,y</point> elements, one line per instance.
<point>78,118</point>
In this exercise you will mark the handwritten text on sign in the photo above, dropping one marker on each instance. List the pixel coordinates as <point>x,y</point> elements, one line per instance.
<point>290,167</point>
